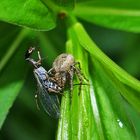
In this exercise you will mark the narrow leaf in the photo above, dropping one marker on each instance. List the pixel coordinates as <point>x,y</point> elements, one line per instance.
<point>121,15</point>
<point>79,119</point>
<point>7,97</point>
<point>64,127</point>
<point>98,113</point>
<point>114,118</point>
<point>120,74</point>
<point>13,47</point>
<point>13,71</point>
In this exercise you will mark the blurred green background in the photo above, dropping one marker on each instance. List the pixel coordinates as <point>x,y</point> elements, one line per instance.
<point>25,121</point>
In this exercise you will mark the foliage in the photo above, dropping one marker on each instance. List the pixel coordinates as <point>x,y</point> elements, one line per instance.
<point>108,106</point>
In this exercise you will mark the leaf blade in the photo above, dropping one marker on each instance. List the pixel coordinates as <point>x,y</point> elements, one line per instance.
<point>7,99</point>
<point>115,122</point>
<point>120,74</point>
<point>32,14</point>
<point>13,72</point>
<point>116,15</point>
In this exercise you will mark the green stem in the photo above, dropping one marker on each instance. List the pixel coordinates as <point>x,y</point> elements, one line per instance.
<point>71,20</point>
<point>13,48</point>
<point>53,7</point>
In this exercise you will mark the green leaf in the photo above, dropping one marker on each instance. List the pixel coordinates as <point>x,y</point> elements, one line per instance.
<point>126,81</point>
<point>65,3</point>
<point>135,117</point>
<point>12,48</point>
<point>47,46</point>
<point>28,13</point>
<point>121,15</point>
<point>99,112</point>
<point>8,94</point>
<point>64,126</point>
<point>111,108</point>
<point>76,119</point>
<point>12,73</point>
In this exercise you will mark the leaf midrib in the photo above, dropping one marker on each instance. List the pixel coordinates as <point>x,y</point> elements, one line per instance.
<point>87,10</point>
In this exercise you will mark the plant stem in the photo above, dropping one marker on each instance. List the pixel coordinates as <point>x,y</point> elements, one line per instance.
<point>53,7</point>
<point>13,48</point>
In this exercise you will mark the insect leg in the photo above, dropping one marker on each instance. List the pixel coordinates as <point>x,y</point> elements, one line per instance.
<point>39,58</point>
<point>53,91</point>
<point>36,101</point>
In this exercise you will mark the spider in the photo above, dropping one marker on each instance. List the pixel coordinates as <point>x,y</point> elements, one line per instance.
<point>63,69</point>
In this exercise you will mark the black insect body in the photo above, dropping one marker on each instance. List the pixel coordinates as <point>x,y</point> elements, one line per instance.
<point>46,87</point>
<point>42,77</point>
<point>63,69</point>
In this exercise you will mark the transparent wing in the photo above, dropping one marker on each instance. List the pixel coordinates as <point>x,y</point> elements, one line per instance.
<point>49,101</point>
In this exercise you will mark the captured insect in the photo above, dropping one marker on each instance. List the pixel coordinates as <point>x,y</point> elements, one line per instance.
<point>47,88</point>
<point>63,69</point>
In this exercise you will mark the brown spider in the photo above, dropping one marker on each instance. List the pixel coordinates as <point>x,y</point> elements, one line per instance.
<point>63,69</point>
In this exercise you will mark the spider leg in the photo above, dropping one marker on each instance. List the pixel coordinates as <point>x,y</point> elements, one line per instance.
<point>77,63</point>
<point>71,72</point>
<point>79,70</point>
<point>71,79</point>
<point>51,71</point>
<point>79,84</point>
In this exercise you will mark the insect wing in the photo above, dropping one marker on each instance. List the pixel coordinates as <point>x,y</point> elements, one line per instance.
<point>49,101</point>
